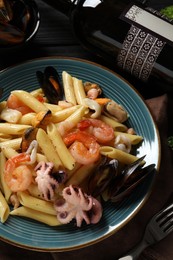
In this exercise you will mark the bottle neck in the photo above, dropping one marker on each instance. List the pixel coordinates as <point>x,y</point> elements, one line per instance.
<point>64,6</point>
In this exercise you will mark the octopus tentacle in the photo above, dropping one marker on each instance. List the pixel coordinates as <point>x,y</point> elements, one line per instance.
<point>47,182</point>
<point>76,204</point>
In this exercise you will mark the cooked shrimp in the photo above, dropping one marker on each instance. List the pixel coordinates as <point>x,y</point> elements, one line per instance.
<point>14,103</point>
<point>103,132</point>
<point>84,148</point>
<point>18,170</point>
<point>17,175</point>
<point>80,136</point>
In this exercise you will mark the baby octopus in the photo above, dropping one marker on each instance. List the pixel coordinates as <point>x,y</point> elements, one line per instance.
<point>76,204</point>
<point>47,180</point>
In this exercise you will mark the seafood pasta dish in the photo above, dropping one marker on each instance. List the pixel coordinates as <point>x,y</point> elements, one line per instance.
<point>65,149</point>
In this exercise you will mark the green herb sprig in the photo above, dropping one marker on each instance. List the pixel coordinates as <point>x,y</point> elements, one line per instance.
<point>167,11</point>
<point>170,142</point>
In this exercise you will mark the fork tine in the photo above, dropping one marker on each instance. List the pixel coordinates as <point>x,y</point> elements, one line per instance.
<point>164,213</point>
<point>165,219</point>
<point>167,223</point>
<point>169,227</point>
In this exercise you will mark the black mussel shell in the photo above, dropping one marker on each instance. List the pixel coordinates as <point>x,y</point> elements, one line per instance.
<point>105,172</point>
<point>50,83</point>
<point>124,176</point>
<point>129,169</point>
<point>42,119</point>
<point>60,176</point>
<point>122,187</point>
<point>28,136</point>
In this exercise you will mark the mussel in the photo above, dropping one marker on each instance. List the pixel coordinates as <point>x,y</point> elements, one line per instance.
<point>28,136</point>
<point>131,176</point>
<point>100,180</point>
<point>50,83</point>
<point>132,183</point>
<point>116,111</point>
<point>114,182</point>
<point>42,119</point>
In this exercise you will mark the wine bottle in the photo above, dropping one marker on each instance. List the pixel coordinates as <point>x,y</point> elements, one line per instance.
<point>130,36</point>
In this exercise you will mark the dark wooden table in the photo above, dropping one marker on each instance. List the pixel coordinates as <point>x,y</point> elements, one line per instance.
<point>55,38</point>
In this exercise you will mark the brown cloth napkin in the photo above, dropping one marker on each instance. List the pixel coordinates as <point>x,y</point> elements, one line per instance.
<point>123,240</point>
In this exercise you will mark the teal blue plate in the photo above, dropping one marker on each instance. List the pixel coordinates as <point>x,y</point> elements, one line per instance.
<point>33,235</point>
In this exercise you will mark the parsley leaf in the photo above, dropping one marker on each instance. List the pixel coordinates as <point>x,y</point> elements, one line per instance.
<point>170,142</point>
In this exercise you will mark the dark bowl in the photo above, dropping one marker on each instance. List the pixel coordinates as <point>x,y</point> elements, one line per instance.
<point>22,26</point>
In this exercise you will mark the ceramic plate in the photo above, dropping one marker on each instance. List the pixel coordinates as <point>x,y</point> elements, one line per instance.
<point>36,236</point>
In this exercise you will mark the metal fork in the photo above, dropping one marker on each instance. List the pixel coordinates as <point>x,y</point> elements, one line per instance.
<point>158,227</point>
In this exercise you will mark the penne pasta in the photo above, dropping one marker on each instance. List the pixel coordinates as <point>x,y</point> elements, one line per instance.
<point>36,215</point>
<point>76,117</point>
<point>36,204</point>
<point>27,119</point>
<point>53,108</point>
<point>60,147</point>
<point>34,191</point>
<point>68,88</point>
<point>72,120</point>
<point>79,91</point>
<point>41,158</point>
<point>48,148</point>
<point>4,208</point>
<point>29,100</point>
<point>81,174</point>
<point>121,156</point>
<point>13,143</point>
<point>116,125</point>
<point>5,137</point>
<point>134,139</point>
<point>4,188</point>
<point>9,152</point>
<point>64,114</point>
<point>37,92</point>
<point>12,129</point>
